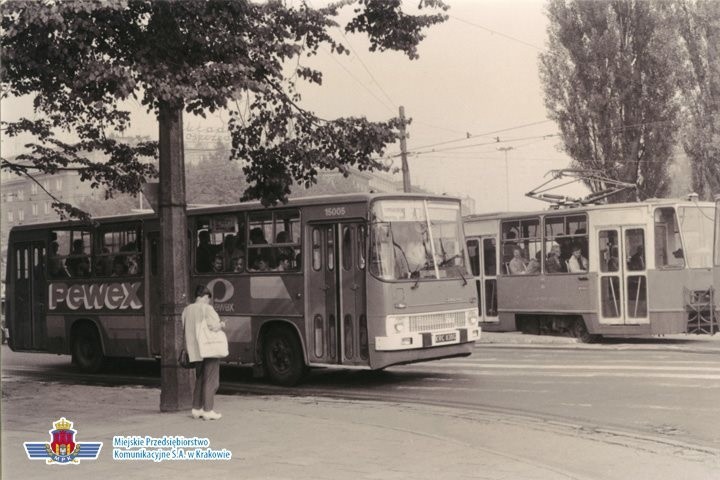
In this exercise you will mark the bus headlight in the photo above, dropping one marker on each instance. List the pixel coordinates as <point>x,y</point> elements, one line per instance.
<point>397,324</point>
<point>472,318</point>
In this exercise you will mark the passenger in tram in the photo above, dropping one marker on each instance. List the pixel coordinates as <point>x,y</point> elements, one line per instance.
<point>517,265</point>
<point>533,265</point>
<point>637,260</point>
<point>552,262</point>
<point>577,263</point>
<point>79,264</point>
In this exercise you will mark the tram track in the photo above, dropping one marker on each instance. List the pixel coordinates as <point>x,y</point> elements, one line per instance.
<point>517,417</point>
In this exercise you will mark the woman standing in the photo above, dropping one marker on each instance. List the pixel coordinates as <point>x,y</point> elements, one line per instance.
<point>207,370</point>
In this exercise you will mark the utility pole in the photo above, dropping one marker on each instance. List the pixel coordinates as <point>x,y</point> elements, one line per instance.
<point>403,152</point>
<point>175,382</point>
<point>507,178</point>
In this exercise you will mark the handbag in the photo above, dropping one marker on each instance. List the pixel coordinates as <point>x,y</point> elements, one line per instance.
<point>184,359</point>
<point>211,344</point>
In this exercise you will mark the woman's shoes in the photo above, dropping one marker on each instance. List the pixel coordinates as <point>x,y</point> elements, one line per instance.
<point>196,412</point>
<point>211,415</point>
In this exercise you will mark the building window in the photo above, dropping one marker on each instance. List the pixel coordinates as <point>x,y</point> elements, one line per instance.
<point>47,208</point>
<point>33,188</point>
<point>58,184</point>
<point>21,194</point>
<point>21,215</point>
<point>34,209</point>
<point>11,217</point>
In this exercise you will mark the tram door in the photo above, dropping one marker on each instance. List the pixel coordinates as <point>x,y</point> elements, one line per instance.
<point>335,307</point>
<point>483,254</point>
<point>27,321</point>
<point>622,276</point>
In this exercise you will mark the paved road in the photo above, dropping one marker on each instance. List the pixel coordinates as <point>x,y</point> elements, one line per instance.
<point>662,394</point>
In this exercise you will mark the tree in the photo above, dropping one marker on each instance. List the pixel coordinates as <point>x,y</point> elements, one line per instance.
<point>699,79</point>
<point>609,84</point>
<point>215,180</point>
<point>82,59</point>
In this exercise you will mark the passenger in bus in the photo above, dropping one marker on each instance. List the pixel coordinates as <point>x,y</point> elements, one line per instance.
<point>553,264</point>
<point>533,265</point>
<point>103,263</point>
<point>260,265</point>
<point>119,267</point>
<point>238,263</point>
<point>577,263</point>
<point>203,253</point>
<point>257,237</point>
<point>230,251</point>
<point>637,260</point>
<point>55,267</point>
<point>218,264</point>
<point>517,265</point>
<point>283,263</point>
<point>133,264</point>
<point>79,264</point>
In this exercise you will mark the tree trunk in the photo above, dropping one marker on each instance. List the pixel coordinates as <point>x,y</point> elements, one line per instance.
<point>176,382</point>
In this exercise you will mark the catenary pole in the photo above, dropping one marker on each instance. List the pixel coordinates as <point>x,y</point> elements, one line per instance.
<point>403,152</point>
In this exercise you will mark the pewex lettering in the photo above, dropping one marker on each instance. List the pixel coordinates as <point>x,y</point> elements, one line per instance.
<point>96,296</point>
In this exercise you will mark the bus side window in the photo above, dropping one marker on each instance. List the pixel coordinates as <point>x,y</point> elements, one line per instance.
<point>316,250</point>
<point>119,252</point>
<point>362,232</point>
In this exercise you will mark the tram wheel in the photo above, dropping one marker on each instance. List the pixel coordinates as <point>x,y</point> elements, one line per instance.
<point>581,332</point>
<point>87,349</point>
<point>282,357</point>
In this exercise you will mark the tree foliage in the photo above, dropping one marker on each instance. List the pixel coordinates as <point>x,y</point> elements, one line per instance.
<point>699,29</point>
<point>81,60</point>
<point>609,83</point>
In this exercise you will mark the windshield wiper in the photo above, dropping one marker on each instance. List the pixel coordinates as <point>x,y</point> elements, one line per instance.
<point>416,275</point>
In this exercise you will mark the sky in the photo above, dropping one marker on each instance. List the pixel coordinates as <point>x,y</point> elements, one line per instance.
<point>477,76</point>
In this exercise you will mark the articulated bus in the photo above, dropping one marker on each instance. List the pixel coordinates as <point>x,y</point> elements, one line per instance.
<point>618,270</point>
<point>357,281</point>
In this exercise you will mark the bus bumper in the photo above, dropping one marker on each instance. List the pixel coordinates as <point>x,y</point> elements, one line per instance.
<point>410,341</point>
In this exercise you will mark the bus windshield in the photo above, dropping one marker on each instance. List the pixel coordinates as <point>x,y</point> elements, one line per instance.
<point>696,224</point>
<point>416,239</point>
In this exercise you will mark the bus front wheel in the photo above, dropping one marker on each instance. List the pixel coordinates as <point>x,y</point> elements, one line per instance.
<point>282,357</point>
<point>87,349</point>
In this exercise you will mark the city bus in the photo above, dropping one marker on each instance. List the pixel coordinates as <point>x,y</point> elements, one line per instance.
<point>355,281</point>
<point>618,270</point>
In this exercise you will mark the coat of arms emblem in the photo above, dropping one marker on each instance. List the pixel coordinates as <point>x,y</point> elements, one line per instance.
<point>62,449</point>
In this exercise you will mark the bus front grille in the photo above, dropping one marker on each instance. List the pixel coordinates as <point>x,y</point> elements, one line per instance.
<point>436,321</point>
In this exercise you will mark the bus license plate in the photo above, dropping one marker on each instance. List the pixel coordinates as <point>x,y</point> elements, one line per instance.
<point>445,337</point>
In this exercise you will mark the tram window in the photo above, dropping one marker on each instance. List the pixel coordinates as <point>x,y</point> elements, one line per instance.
<point>220,237</point>
<point>608,245</point>
<point>521,245</point>
<point>474,254</point>
<point>635,247</point>
<point>668,246</point>
<point>120,252</point>
<point>489,255</point>
<point>69,253</point>
<point>566,244</point>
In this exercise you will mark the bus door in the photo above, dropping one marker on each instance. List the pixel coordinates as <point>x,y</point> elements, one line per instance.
<point>335,306</point>
<point>623,276</point>
<point>483,254</point>
<point>27,320</point>
<point>153,281</point>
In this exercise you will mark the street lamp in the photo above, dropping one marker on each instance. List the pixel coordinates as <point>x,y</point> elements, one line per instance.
<point>507,178</point>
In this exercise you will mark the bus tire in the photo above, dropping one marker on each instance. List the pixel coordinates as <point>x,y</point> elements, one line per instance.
<point>581,332</point>
<point>283,357</point>
<point>87,349</point>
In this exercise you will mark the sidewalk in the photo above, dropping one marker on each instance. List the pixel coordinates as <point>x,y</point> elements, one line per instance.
<point>282,437</point>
